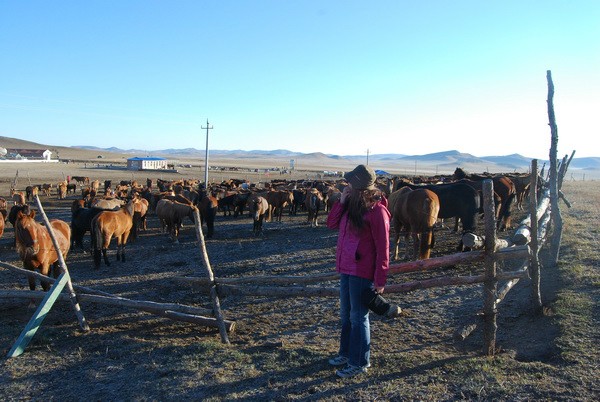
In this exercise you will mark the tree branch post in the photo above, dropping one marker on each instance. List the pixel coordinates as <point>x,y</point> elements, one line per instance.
<point>491,280</point>
<point>556,216</point>
<point>534,266</point>
<point>213,286</point>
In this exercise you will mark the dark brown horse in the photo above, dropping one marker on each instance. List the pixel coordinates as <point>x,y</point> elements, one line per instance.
<point>208,211</point>
<point>35,246</point>
<point>109,224</point>
<point>504,189</point>
<point>171,215</point>
<point>278,200</point>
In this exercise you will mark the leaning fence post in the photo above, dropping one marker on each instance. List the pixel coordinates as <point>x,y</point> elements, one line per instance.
<point>50,297</point>
<point>63,265</point>
<point>491,281</point>
<point>213,286</point>
<point>534,267</point>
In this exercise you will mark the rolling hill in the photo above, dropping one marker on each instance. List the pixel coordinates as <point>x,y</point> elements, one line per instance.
<point>433,163</point>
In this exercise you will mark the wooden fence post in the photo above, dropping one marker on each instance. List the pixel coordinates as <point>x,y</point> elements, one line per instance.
<point>534,266</point>
<point>491,281</point>
<point>51,296</point>
<point>213,287</point>
<point>63,265</point>
<point>556,216</point>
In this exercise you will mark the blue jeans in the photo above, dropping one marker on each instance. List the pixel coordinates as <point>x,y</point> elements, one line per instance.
<point>355,339</point>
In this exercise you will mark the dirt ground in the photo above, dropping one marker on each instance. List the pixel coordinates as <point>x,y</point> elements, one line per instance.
<point>280,345</point>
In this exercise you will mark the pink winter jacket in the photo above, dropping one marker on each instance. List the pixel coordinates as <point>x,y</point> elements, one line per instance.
<point>364,253</point>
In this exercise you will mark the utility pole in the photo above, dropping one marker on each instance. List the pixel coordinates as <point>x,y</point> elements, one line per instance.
<point>367,156</point>
<point>208,127</point>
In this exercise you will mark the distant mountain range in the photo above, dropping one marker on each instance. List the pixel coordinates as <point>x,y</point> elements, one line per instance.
<point>442,159</point>
<point>442,162</point>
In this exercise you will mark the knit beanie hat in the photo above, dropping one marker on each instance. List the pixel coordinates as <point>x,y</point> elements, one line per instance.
<point>361,178</point>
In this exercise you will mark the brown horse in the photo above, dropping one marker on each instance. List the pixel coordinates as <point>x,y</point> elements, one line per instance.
<point>3,208</point>
<point>259,206</point>
<point>314,203</point>
<point>109,224</point>
<point>416,211</point>
<point>35,247</point>
<point>140,210</point>
<point>522,186</point>
<point>31,191</point>
<point>18,197</point>
<point>208,206</point>
<point>278,200</point>
<point>61,190</point>
<point>81,179</point>
<point>171,215</point>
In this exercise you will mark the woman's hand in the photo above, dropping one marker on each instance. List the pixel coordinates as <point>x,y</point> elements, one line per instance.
<point>379,290</point>
<point>345,194</point>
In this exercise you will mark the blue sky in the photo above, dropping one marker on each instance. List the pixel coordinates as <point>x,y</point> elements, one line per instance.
<point>339,77</point>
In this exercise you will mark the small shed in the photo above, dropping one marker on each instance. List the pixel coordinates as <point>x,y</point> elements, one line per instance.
<point>147,163</point>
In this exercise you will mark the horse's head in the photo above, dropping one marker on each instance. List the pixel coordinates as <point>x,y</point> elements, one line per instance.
<point>26,232</point>
<point>130,207</point>
<point>459,173</point>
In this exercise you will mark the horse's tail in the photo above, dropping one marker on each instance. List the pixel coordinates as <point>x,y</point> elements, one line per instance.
<point>505,212</point>
<point>425,244</point>
<point>96,242</point>
<point>430,212</point>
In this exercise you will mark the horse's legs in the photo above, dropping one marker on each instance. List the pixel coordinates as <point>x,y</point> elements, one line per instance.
<point>260,223</point>
<point>396,244</point>
<point>124,239</point>
<point>45,270</point>
<point>104,254</point>
<point>176,227</point>
<point>96,251</point>
<point>407,253</point>
<point>456,223</point>
<point>118,249</point>
<point>31,281</point>
<point>416,244</point>
<point>425,244</point>
<point>56,269</point>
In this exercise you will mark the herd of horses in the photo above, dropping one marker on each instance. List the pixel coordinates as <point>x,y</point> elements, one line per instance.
<point>120,212</point>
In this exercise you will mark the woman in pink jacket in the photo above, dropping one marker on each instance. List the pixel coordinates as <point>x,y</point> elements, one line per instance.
<point>362,259</point>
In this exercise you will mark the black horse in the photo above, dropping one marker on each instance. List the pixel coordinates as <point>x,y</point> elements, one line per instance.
<point>81,221</point>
